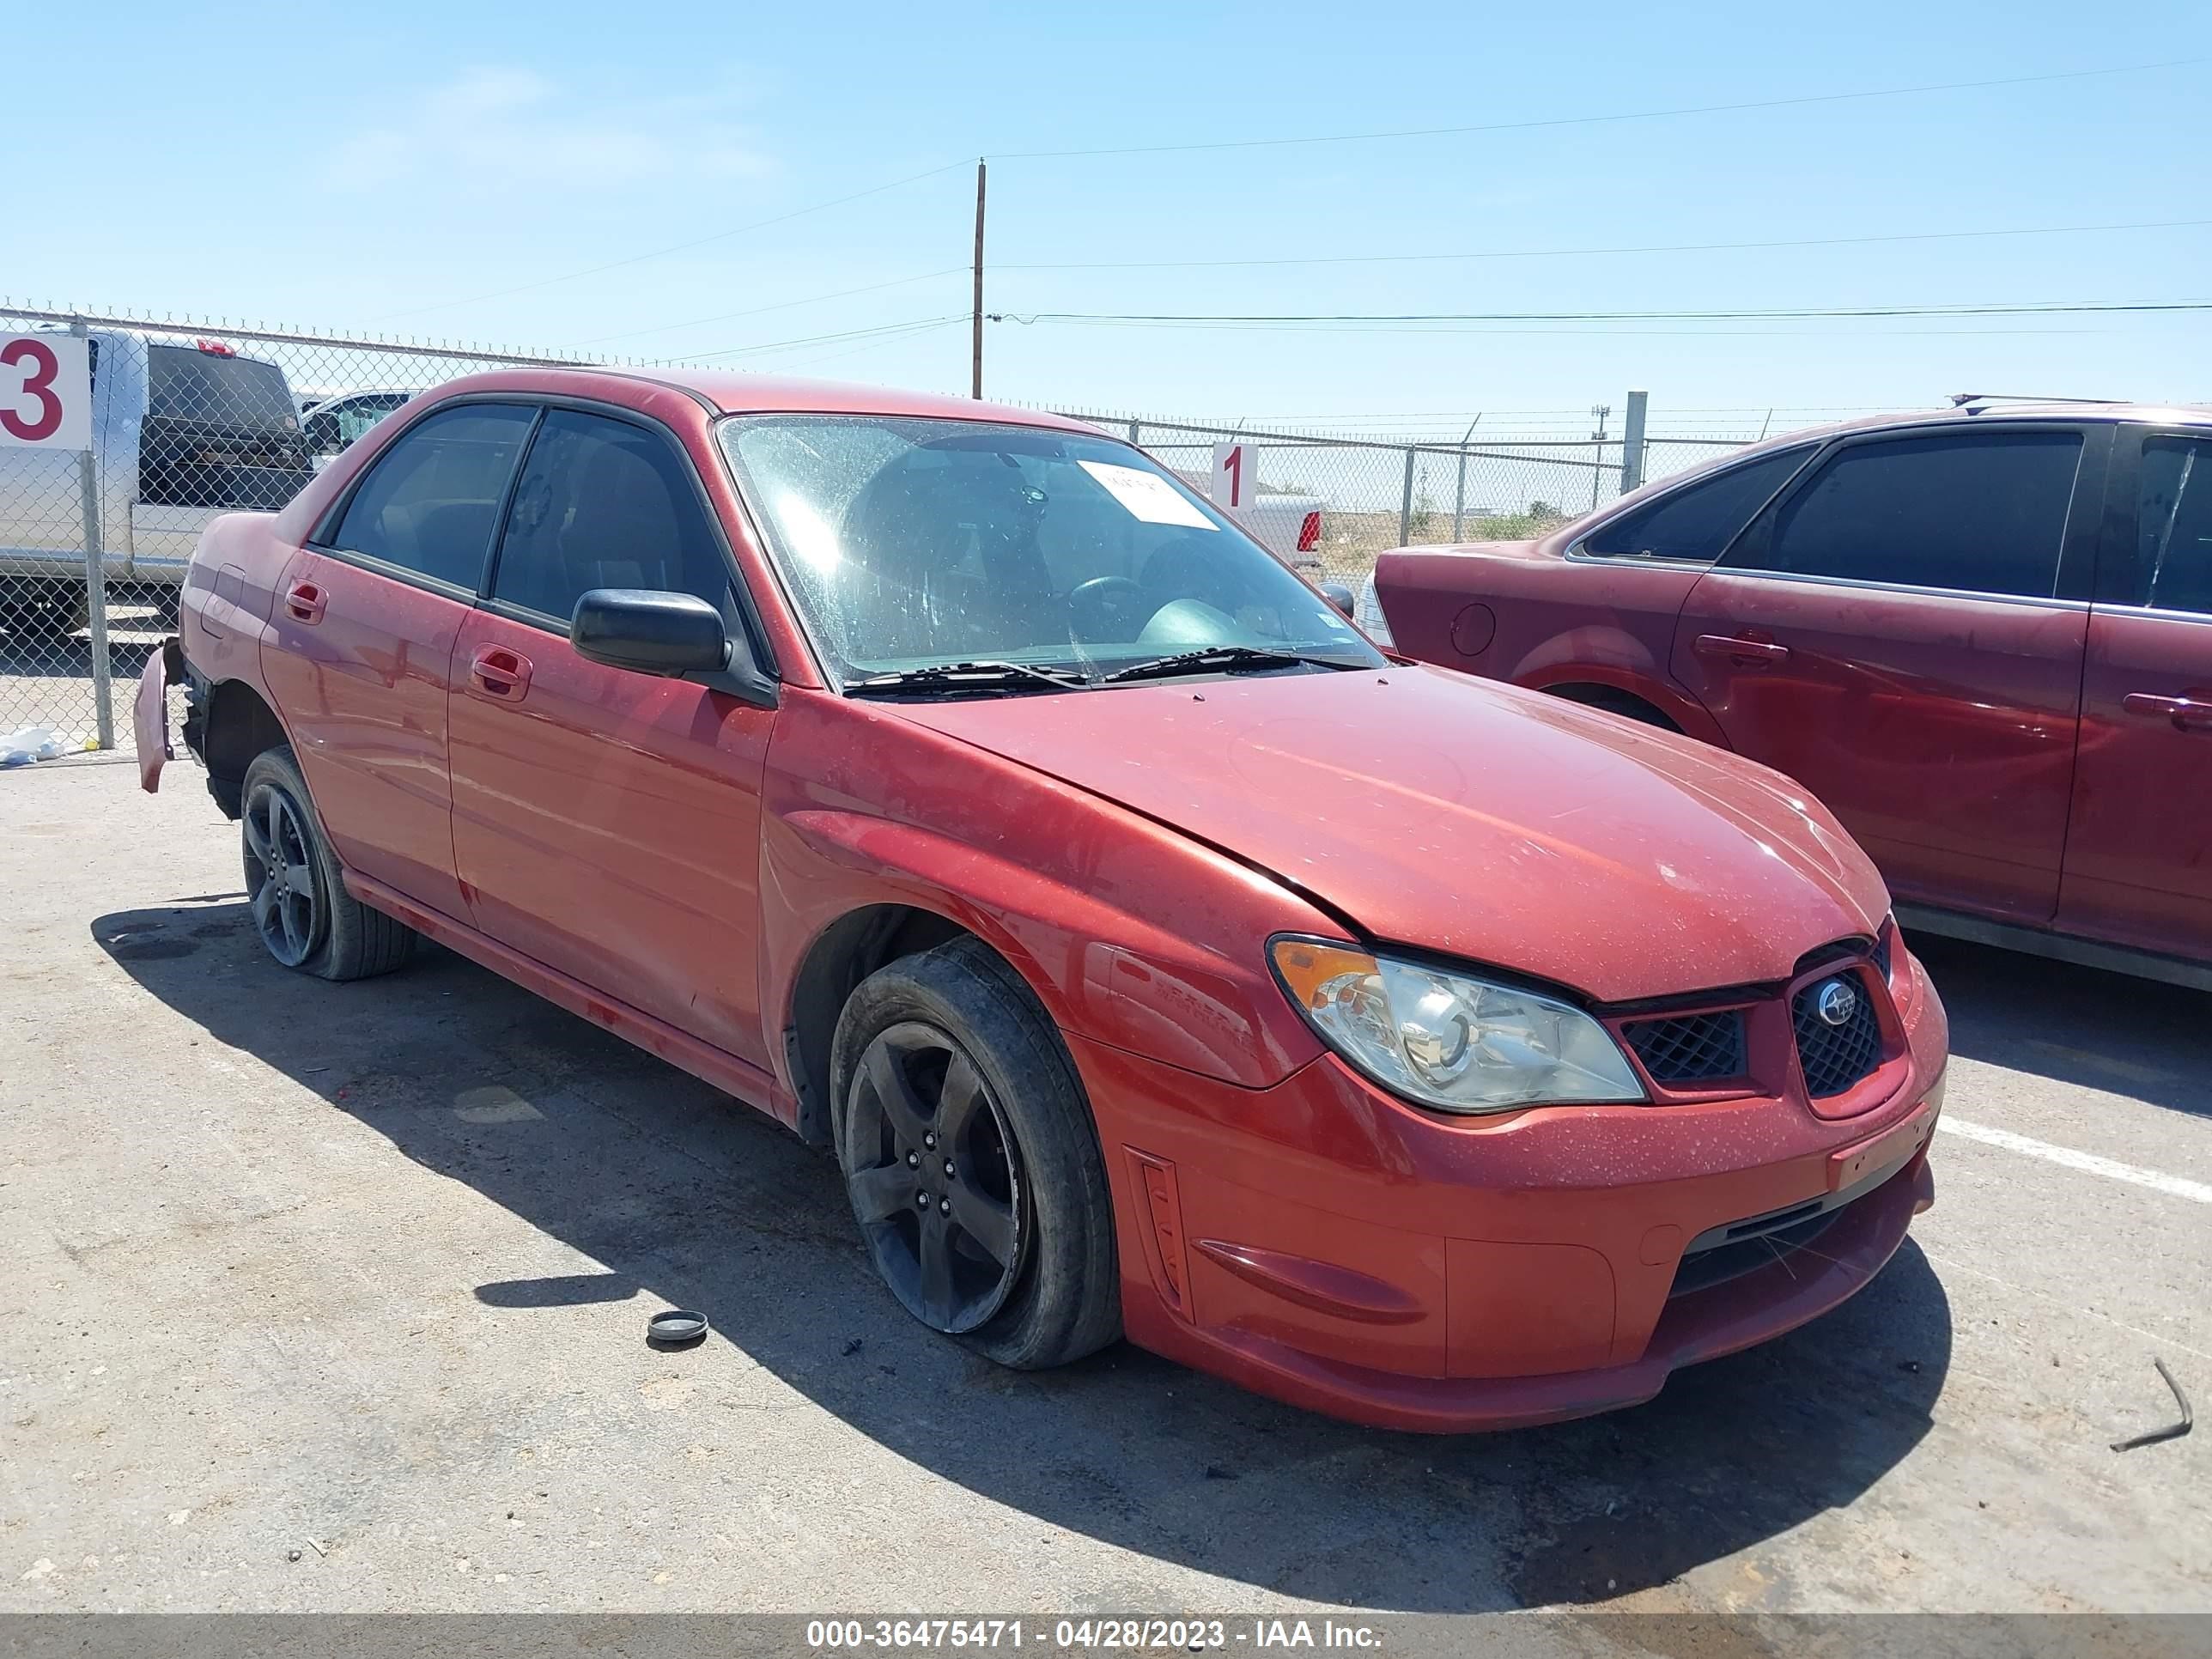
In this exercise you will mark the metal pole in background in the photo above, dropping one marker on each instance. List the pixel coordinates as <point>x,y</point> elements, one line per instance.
<point>1406,507</point>
<point>1459,497</point>
<point>1632,443</point>
<point>1134,428</point>
<point>95,589</point>
<point>1598,454</point>
<point>976,344</point>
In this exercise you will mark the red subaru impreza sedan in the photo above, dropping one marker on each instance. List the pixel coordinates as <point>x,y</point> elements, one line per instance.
<point>1155,955</point>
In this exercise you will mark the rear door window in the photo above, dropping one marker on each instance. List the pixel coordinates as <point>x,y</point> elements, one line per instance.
<point>605,504</point>
<point>2174,525</point>
<point>431,500</point>
<point>1699,520</point>
<point>1981,512</point>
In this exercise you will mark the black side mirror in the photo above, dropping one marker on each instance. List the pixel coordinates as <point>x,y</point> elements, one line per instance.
<point>653,632</point>
<point>1340,596</point>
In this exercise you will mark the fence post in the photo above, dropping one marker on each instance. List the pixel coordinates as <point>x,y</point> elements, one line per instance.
<point>1134,427</point>
<point>1406,507</point>
<point>95,588</point>
<point>1632,443</point>
<point>1459,498</point>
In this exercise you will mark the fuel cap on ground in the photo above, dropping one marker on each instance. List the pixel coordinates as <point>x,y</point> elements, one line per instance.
<point>676,1329</point>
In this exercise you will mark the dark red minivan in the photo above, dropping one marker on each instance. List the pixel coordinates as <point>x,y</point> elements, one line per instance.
<point>1154,955</point>
<point>1983,637</point>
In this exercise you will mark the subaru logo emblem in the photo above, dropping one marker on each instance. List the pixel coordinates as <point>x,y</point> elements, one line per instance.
<point>1836,1002</point>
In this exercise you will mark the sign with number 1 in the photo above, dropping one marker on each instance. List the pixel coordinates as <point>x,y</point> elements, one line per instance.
<point>1232,480</point>
<point>46,391</point>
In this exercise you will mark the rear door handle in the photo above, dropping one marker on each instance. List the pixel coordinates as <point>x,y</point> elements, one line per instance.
<point>2187,714</point>
<point>1744,653</point>
<point>497,671</point>
<point>304,601</point>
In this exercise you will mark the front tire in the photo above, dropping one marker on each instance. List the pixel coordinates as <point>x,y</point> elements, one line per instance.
<point>301,910</point>
<point>969,1154</point>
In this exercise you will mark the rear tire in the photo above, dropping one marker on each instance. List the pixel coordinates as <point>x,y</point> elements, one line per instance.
<point>306,918</point>
<point>945,1059</point>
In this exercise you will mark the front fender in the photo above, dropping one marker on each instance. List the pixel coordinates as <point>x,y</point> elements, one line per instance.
<point>1129,933</point>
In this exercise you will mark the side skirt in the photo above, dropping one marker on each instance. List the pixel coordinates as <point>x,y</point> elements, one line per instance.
<point>758,1088</point>
<point>2060,947</point>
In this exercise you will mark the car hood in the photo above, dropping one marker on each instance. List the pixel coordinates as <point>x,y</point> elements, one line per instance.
<point>1468,817</point>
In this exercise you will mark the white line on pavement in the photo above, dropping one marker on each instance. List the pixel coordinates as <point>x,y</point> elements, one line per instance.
<point>2089,1162</point>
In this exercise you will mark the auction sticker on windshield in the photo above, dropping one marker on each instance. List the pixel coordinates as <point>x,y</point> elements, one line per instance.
<point>1146,494</point>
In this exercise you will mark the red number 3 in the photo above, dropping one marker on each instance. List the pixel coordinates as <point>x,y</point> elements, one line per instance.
<point>38,384</point>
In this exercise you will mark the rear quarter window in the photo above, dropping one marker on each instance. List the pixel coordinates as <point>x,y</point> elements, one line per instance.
<point>1698,520</point>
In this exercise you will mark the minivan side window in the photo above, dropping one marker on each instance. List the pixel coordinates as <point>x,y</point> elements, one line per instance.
<point>431,500</point>
<point>2173,521</point>
<point>1980,512</point>
<point>1697,521</point>
<point>605,504</point>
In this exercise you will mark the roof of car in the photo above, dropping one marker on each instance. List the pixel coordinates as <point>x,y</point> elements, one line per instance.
<point>1992,410</point>
<point>730,392</point>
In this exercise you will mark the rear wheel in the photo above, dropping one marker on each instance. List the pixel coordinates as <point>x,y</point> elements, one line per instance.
<point>970,1155</point>
<point>301,910</point>
<point>1613,700</point>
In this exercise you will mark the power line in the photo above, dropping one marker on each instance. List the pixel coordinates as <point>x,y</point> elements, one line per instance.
<point>920,328</point>
<point>787,305</point>
<point>1596,120</point>
<point>676,247</point>
<point>913,325</point>
<point>1591,253</point>
<point>1354,319</point>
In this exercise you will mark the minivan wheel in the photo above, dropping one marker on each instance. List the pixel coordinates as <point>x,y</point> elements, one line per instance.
<point>301,910</point>
<point>970,1159</point>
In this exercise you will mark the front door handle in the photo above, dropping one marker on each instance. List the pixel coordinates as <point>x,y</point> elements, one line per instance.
<point>1744,654</point>
<point>2187,714</point>
<point>304,601</point>
<point>497,671</point>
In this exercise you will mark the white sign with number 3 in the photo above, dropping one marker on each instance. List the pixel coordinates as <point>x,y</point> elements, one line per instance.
<point>46,391</point>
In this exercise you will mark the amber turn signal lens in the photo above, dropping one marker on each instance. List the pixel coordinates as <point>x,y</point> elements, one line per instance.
<point>1306,966</point>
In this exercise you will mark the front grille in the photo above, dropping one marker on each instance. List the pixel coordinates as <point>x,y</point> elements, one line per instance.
<point>1694,1048</point>
<point>1881,957</point>
<point>1836,1056</point>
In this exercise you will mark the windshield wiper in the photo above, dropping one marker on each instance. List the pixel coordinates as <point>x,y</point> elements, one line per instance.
<point>1222,659</point>
<point>970,677</point>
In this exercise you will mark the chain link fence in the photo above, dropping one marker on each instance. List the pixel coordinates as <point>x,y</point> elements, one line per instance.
<point>191,420</point>
<point>188,420</point>
<point>1371,494</point>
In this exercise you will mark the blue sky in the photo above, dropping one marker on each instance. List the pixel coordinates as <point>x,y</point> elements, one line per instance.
<point>386,167</point>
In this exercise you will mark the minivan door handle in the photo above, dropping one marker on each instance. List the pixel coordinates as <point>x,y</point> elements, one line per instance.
<point>2187,714</point>
<point>499,673</point>
<point>1744,654</point>
<point>304,601</point>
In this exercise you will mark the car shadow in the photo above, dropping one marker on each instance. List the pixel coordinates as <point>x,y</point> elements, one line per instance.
<point>686,1197</point>
<point>2137,1038</point>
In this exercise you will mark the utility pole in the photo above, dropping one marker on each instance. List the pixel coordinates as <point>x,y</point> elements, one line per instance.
<point>976,344</point>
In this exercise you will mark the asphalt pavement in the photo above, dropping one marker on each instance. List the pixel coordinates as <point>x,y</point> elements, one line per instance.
<point>333,1298</point>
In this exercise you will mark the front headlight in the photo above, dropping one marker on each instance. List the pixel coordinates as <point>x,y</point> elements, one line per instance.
<point>1367,611</point>
<point>1448,1041</point>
